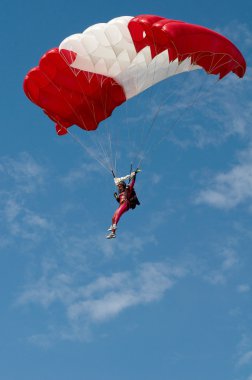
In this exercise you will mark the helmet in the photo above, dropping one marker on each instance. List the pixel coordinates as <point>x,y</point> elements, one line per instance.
<point>122,183</point>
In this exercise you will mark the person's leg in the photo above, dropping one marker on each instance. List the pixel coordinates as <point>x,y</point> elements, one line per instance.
<point>119,212</point>
<point>116,217</point>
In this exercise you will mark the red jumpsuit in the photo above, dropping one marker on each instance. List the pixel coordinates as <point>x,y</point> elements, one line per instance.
<point>124,197</point>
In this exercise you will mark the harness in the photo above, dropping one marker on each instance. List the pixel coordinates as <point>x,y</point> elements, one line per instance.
<point>132,199</point>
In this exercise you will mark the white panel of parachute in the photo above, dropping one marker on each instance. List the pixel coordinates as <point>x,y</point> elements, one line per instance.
<point>108,49</point>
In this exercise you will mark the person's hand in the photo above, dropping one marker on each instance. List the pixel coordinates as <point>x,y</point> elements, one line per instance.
<point>135,172</point>
<point>116,180</point>
<point>117,197</point>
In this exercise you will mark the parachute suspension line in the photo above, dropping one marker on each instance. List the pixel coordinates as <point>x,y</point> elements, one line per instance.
<point>108,140</point>
<point>217,64</point>
<point>95,138</point>
<point>130,135</point>
<point>65,99</point>
<point>126,135</point>
<point>148,133</point>
<point>220,65</point>
<point>146,138</point>
<point>140,132</point>
<point>113,174</point>
<point>195,99</point>
<point>145,149</point>
<point>78,117</point>
<point>116,145</point>
<point>136,135</point>
<point>144,132</point>
<point>110,146</point>
<point>131,167</point>
<point>149,130</point>
<point>101,146</point>
<point>109,134</point>
<point>103,149</point>
<point>173,124</point>
<point>133,133</point>
<point>89,151</point>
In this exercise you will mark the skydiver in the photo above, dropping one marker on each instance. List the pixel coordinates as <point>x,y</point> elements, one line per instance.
<point>126,197</point>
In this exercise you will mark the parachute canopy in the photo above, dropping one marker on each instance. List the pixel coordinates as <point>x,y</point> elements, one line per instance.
<point>89,74</point>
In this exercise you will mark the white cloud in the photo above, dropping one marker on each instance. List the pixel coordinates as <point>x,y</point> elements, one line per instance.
<point>24,171</point>
<point>243,288</point>
<point>32,219</point>
<point>21,222</point>
<point>155,178</point>
<point>229,262</point>
<point>230,259</point>
<point>205,112</point>
<point>102,298</point>
<point>148,285</point>
<point>244,352</point>
<point>83,173</point>
<point>245,359</point>
<point>216,278</point>
<point>22,179</point>
<point>47,290</point>
<point>229,189</point>
<point>11,210</point>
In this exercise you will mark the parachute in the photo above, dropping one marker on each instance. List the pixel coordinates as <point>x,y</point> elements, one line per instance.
<point>83,80</point>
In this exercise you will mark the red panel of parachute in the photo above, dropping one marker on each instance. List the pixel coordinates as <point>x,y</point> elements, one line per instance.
<point>208,49</point>
<point>69,97</point>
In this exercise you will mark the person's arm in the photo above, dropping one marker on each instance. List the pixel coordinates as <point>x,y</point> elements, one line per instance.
<point>132,182</point>
<point>128,176</point>
<point>119,179</point>
<point>117,197</point>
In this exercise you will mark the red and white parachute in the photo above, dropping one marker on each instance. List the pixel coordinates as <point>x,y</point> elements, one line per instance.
<point>89,74</point>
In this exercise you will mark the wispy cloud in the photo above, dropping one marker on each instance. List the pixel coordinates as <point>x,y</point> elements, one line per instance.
<point>229,189</point>
<point>91,296</point>
<point>24,172</point>
<point>82,174</point>
<point>244,354</point>
<point>22,178</point>
<point>102,298</point>
<point>229,261</point>
<point>149,284</point>
<point>245,359</point>
<point>243,288</point>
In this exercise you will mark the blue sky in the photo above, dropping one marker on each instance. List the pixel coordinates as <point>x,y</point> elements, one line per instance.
<point>170,298</point>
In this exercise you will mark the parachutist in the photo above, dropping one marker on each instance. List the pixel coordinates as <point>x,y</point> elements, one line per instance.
<point>126,197</point>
